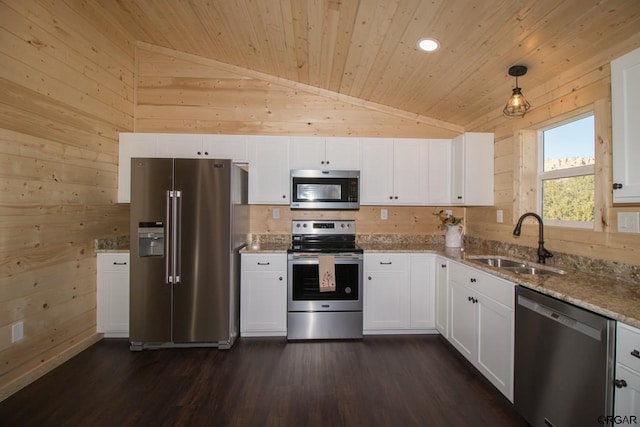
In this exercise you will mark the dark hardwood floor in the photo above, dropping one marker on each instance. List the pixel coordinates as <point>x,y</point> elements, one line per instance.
<point>379,381</point>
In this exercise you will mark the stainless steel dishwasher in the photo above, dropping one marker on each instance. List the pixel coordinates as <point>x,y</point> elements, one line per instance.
<point>564,362</point>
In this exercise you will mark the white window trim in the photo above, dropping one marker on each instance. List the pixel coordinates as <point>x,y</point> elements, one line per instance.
<point>561,173</point>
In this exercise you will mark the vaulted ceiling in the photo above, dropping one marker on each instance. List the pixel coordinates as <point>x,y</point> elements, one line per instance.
<point>367,48</point>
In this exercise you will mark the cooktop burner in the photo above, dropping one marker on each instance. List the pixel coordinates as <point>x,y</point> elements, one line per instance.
<point>324,236</point>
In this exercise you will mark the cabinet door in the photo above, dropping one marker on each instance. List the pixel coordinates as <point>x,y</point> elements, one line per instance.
<point>457,170</point>
<point>113,294</point>
<point>232,147</point>
<point>132,145</point>
<point>439,172</point>
<point>376,175</point>
<point>386,302</point>
<point>627,398</point>
<point>342,153</point>
<point>495,344</point>
<point>472,169</point>
<point>410,172</point>
<point>422,292</point>
<point>463,330</point>
<point>307,152</point>
<point>185,146</point>
<point>442,297</point>
<point>263,302</point>
<point>625,87</point>
<point>269,170</point>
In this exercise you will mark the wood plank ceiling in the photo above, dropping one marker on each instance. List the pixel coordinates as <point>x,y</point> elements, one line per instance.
<point>367,48</point>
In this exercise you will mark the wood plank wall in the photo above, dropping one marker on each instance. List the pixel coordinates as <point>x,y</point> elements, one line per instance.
<point>66,85</point>
<point>584,87</point>
<point>182,93</point>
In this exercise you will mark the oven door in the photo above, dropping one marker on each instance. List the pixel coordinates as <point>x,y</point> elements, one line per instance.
<point>303,290</point>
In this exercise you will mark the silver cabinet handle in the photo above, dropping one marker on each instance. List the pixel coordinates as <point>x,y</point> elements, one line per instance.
<point>385,263</point>
<point>264,263</point>
<point>119,263</point>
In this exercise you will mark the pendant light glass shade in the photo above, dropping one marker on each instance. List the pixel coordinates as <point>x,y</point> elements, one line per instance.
<point>517,105</point>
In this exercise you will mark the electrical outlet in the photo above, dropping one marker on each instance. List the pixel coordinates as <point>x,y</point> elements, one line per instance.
<point>275,213</point>
<point>628,222</point>
<point>384,214</point>
<point>17,331</point>
<point>499,216</point>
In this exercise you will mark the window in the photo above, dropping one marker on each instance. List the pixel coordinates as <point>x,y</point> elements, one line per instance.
<point>566,173</point>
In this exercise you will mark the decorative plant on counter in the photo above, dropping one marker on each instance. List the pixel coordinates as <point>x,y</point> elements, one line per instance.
<point>447,219</point>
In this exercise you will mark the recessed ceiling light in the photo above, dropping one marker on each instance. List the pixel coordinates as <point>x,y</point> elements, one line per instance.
<point>428,45</point>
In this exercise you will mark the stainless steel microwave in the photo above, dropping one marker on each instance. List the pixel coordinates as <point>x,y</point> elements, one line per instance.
<point>325,189</point>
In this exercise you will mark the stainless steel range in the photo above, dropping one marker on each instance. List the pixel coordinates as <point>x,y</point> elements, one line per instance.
<point>312,312</point>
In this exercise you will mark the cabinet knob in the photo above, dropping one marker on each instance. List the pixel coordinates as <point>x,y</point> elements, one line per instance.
<point>396,197</point>
<point>390,197</point>
<point>322,162</point>
<point>635,353</point>
<point>617,186</point>
<point>459,197</point>
<point>206,153</point>
<point>369,277</point>
<point>443,265</point>
<point>199,153</point>
<point>327,161</point>
<point>620,383</point>
<point>280,278</point>
<point>473,280</point>
<point>284,196</point>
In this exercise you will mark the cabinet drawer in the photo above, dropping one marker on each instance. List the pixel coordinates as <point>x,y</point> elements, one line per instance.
<point>113,262</point>
<point>386,262</point>
<point>628,346</point>
<point>498,289</point>
<point>264,262</point>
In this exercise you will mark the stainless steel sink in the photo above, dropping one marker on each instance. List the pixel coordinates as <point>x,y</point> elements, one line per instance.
<point>516,266</point>
<point>534,270</point>
<point>499,262</point>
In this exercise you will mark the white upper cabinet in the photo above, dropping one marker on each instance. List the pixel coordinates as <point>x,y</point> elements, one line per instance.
<point>394,171</point>
<point>193,146</point>
<point>312,152</point>
<point>472,168</point>
<point>625,102</point>
<point>180,145</point>
<point>269,170</point>
<point>232,147</point>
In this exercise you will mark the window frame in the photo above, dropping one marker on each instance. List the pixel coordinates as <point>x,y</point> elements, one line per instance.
<point>566,172</point>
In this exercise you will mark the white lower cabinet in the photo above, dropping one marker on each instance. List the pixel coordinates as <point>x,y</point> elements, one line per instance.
<point>442,295</point>
<point>263,295</point>
<point>627,391</point>
<point>398,293</point>
<point>481,323</point>
<point>113,294</point>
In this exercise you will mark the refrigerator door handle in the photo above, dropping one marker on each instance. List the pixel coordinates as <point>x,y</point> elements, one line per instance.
<point>168,274</point>
<point>177,230</point>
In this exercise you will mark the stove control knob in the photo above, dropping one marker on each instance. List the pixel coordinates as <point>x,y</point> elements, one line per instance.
<point>304,225</point>
<point>297,225</point>
<point>342,225</point>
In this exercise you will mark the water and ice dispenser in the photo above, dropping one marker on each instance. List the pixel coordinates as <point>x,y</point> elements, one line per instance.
<point>151,239</point>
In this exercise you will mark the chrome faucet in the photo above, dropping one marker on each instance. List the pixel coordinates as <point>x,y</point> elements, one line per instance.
<point>543,254</point>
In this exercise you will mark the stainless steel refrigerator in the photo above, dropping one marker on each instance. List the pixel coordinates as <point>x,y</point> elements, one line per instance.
<point>189,219</point>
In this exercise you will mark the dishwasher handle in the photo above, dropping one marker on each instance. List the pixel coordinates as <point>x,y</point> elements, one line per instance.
<point>560,318</point>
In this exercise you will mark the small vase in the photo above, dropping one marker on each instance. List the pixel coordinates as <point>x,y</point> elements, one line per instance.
<point>453,236</point>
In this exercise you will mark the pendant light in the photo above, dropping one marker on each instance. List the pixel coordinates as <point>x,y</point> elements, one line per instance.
<point>517,105</point>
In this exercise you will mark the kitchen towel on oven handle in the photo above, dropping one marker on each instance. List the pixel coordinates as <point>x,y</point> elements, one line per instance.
<point>327,273</point>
